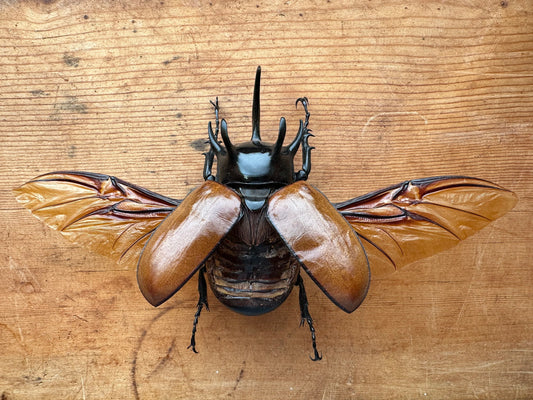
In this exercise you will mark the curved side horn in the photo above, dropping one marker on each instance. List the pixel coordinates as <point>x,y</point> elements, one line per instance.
<point>225,138</point>
<point>293,147</point>
<point>256,111</point>
<point>213,140</point>
<point>281,136</point>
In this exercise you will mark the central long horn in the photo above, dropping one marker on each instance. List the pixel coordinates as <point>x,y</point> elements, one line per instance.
<point>256,137</point>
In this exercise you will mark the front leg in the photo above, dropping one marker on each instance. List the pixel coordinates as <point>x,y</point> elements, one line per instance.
<point>303,174</point>
<point>210,155</point>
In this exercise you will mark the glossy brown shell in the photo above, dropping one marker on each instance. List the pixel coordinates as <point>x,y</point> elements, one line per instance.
<point>185,239</point>
<point>323,241</point>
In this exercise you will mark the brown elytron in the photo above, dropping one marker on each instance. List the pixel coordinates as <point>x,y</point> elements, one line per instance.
<point>186,238</point>
<point>312,227</point>
<point>254,224</point>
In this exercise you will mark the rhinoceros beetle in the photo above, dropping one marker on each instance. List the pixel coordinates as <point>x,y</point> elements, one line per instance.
<point>252,227</point>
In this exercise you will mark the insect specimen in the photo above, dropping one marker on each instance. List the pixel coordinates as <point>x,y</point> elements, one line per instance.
<point>255,224</point>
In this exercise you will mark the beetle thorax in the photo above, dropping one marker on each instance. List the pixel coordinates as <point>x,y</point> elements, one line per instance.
<point>255,164</point>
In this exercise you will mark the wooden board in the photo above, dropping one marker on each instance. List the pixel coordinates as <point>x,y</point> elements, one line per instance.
<point>397,90</point>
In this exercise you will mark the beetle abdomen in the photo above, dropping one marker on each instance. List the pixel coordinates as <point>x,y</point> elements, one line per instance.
<point>252,271</point>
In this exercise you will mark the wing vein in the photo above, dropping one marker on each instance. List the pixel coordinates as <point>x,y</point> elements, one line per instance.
<point>64,203</point>
<point>378,248</point>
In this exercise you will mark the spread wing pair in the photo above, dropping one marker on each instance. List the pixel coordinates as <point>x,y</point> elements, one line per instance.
<point>394,226</point>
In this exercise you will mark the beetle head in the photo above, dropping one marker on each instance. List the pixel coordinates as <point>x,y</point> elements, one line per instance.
<point>255,163</point>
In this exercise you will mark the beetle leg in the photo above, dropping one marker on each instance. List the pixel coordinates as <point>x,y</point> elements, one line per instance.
<point>306,149</point>
<point>306,317</point>
<point>305,103</point>
<point>217,122</point>
<point>202,301</point>
<point>208,165</point>
<point>210,155</point>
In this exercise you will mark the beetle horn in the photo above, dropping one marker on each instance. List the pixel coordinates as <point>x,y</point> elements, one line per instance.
<point>293,147</point>
<point>281,136</point>
<point>256,137</point>
<point>213,140</point>
<point>225,138</point>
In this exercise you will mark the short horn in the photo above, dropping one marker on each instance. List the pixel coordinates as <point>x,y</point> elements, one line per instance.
<point>293,147</point>
<point>225,138</point>
<point>281,136</point>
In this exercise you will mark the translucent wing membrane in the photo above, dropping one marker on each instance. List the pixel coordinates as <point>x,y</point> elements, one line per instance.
<point>107,214</point>
<point>418,218</point>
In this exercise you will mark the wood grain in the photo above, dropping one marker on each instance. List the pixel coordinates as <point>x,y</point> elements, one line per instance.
<point>397,90</point>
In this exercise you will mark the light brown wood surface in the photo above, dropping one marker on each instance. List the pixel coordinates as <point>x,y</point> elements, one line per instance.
<point>397,90</point>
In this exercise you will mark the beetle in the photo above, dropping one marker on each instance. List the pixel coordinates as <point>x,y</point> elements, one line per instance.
<point>252,226</point>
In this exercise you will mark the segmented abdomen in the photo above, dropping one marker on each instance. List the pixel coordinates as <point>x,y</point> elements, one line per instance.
<point>252,271</point>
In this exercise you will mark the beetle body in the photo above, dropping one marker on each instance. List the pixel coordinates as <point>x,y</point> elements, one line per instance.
<point>252,271</point>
